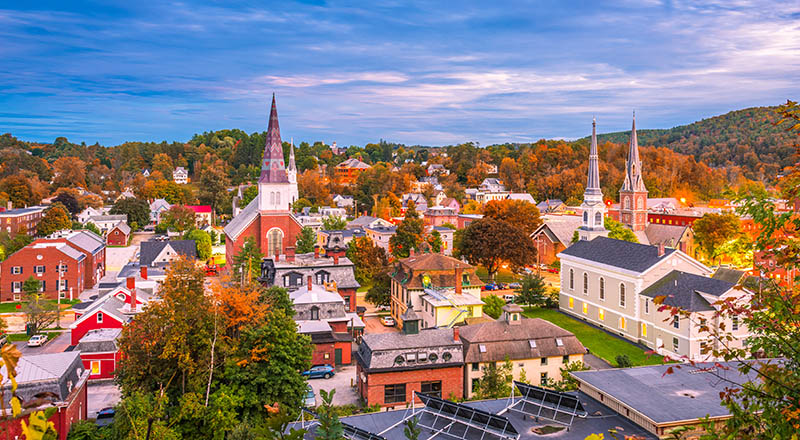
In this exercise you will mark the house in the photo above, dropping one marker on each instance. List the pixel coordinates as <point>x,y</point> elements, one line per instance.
<point>464,220</point>
<point>180,176</point>
<point>320,313</point>
<point>157,253</point>
<point>419,185</point>
<point>158,207</point>
<point>449,202</point>
<point>484,197</point>
<point>146,173</point>
<point>126,194</point>
<point>536,349</point>
<point>118,235</point>
<point>673,236</point>
<point>348,171</point>
<point>554,235</point>
<point>392,367</point>
<point>268,217</point>
<point>332,268</point>
<point>521,196</point>
<point>26,220</point>
<point>437,169</point>
<point>111,310</point>
<point>106,222</point>
<point>439,215</point>
<point>343,201</point>
<point>84,216</point>
<point>346,235</point>
<point>441,290</point>
<point>202,214</point>
<point>312,221</point>
<point>380,235</point>
<point>327,211</point>
<point>550,206</point>
<point>366,221</point>
<point>447,236</point>
<point>420,204</point>
<point>100,353</point>
<point>492,184</point>
<point>55,380</point>
<point>438,197</point>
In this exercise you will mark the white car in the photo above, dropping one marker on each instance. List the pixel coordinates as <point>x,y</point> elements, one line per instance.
<point>37,340</point>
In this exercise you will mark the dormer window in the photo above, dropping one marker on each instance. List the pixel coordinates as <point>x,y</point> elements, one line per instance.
<point>99,317</point>
<point>482,348</point>
<point>532,343</point>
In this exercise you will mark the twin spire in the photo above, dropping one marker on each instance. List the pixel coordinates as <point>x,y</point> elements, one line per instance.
<point>633,168</point>
<point>273,168</point>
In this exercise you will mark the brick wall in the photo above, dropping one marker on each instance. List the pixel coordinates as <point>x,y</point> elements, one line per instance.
<point>27,258</point>
<point>372,390</point>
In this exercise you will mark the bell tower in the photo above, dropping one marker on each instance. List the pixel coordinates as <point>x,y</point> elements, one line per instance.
<point>594,210</point>
<point>273,185</point>
<point>633,194</point>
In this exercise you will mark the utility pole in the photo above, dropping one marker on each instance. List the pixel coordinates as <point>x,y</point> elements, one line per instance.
<point>58,297</point>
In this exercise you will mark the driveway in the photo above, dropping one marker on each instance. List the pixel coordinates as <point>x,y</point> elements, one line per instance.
<point>373,326</point>
<point>101,394</point>
<point>343,382</point>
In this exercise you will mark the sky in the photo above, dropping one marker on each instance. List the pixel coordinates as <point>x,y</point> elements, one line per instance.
<point>427,73</point>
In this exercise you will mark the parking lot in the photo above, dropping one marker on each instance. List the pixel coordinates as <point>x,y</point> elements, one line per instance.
<point>101,394</point>
<point>343,382</point>
<point>373,325</point>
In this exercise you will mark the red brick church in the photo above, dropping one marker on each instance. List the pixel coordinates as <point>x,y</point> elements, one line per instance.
<point>268,218</point>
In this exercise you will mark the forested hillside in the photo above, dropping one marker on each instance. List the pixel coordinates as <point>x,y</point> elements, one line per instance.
<point>745,138</point>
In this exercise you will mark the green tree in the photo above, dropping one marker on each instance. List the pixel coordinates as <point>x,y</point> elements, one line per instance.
<point>495,383</point>
<point>247,263</point>
<point>56,218</point>
<point>202,242</point>
<point>434,241</point>
<point>411,429</point>
<point>532,291</point>
<point>248,195</point>
<point>369,259</point>
<point>491,242</point>
<point>9,244</point>
<point>178,218</point>
<point>306,240</point>
<point>618,231</point>
<point>39,313</point>
<point>330,428</point>
<point>493,305</point>
<point>713,231</point>
<point>567,382</point>
<point>408,235</point>
<point>138,211</point>
<point>334,223</point>
<point>379,293</point>
<point>213,185</point>
<point>623,361</point>
<point>92,227</point>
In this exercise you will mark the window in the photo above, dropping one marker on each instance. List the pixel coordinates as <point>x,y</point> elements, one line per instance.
<point>274,242</point>
<point>17,297</point>
<point>16,270</point>
<point>38,269</point>
<point>16,286</point>
<point>622,322</point>
<point>627,203</point>
<point>675,344</point>
<point>95,367</point>
<point>644,330</point>
<point>571,279</point>
<point>571,303</point>
<point>621,295</point>
<point>598,219</point>
<point>585,217</point>
<point>559,342</point>
<point>63,285</point>
<point>411,358</point>
<point>327,356</point>
<point>601,314</point>
<point>585,283</point>
<point>565,359</point>
<point>544,361</point>
<point>734,323</point>
<point>585,309</point>
<point>543,378</point>
<point>42,286</point>
<point>315,313</point>
<point>322,277</point>
<point>432,388</point>
<point>99,317</point>
<point>475,366</point>
<point>646,306</point>
<point>676,322</point>
<point>394,393</point>
<point>703,347</point>
<point>602,289</point>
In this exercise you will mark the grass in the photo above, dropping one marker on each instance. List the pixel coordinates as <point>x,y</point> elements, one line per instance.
<point>502,275</point>
<point>11,307</point>
<point>21,337</point>
<point>599,343</point>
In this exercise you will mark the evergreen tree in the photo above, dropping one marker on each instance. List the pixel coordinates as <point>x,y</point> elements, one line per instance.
<point>330,428</point>
<point>137,210</point>
<point>247,263</point>
<point>306,241</point>
<point>532,291</point>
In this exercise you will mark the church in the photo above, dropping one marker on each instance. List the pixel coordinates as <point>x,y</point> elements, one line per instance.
<point>268,217</point>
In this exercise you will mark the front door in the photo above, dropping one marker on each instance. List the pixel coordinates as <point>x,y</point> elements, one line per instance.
<point>337,355</point>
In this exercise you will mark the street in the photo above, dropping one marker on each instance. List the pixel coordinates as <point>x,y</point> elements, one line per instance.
<point>57,345</point>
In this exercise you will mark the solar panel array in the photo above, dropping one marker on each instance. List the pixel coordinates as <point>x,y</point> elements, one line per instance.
<point>461,421</point>
<point>548,404</point>
<point>355,433</point>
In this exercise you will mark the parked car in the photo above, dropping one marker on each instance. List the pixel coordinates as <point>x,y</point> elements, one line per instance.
<point>509,298</point>
<point>105,417</point>
<point>317,371</point>
<point>490,286</point>
<point>383,308</point>
<point>37,340</point>
<point>310,401</point>
<point>502,286</point>
<point>515,286</point>
<point>387,321</point>
<point>552,269</point>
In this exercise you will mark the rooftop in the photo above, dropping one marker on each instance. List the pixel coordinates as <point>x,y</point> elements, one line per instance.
<point>618,253</point>
<point>22,211</point>
<point>529,339</point>
<point>684,290</point>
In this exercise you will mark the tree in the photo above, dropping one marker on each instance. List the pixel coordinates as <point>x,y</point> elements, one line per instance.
<point>713,231</point>
<point>69,172</point>
<point>408,234</point>
<point>379,294</point>
<point>306,240</point>
<point>69,201</point>
<point>213,183</point>
<point>532,291</point>
<point>178,218</point>
<point>434,241</point>
<point>493,305</point>
<point>495,383</point>
<point>138,211</point>
<point>567,382</point>
<point>247,263</point>
<point>623,361</point>
<point>411,429</point>
<point>202,242</point>
<point>9,244</point>
<point>163,164</point>
<point>618,231</point>
<point>19,191</point>
<point>334,223</point>
<point>330,428</point>
<point>518,213</point>
<point>248,195</point>
<point>39,313</point>
<point>92,227</point>
<point>491,242</point>
<point>56,218</point>
<point>369,259</point>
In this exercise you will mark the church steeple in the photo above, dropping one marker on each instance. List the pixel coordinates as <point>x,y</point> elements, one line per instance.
<point>593,207</point>
<point>633,194</point>
<point>291,172</point>
<point>273,169</point>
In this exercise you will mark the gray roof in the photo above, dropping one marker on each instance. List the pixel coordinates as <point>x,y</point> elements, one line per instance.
<point>379,352</point>
<point>689,393</point>
<point>683,290</point>
<point>242,220</point>
<point>55,373</point>
<point>361,221</point>
<point>547,205</point>
<point>618,253</point>
<point>501,340</point>
<point>150,249</point>
<point>87,240</point>
<point>305,264</point>
<point>669,235</point>
<point>123,227</point>
<point>99,341</point>
<point>109,218</point>
<point>559,228</point>
<point>732,276</point>
<point>22,211</point>
<point>425,338</point>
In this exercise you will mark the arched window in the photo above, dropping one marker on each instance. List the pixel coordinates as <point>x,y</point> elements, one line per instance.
<point>274,242</point>
<point>278,198</point>
<point>621,295</point>
<point>602,288</point>
<point>640,203</point>
<point>571,279</point>
<point>585,217</point>
<point>272,197</point>
<point>598,219</point>
<point>585,283</point>
<point>627,203</point>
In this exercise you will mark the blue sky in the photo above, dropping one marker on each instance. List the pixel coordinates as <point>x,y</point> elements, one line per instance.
<point>431,73</point>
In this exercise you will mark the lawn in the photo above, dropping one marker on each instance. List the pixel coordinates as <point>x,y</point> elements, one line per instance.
<point>19,337</point>
<point>599,343</point>
<point>502,275</point>
<point>11,307</point>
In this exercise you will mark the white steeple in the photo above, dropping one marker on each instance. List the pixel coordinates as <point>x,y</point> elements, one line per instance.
<point>593,208</point>
<point>291,171</point>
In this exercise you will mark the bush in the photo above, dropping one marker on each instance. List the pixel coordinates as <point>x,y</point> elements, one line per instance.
<point>623,361</point>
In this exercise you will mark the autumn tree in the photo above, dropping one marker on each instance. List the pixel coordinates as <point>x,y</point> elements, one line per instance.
<point>311,187</point>
<point>490,243</point>
<point>213,184</point>
<point>434,241</point>
<point>408,235</point>
<point>368,258</point>
<point>306,240</point>
<point>9,244</point>
<point>511,175</point>
<point>178,218</point>
<point>69,172</point>
<point>519,213</point>
<point>163,164</point>
<point>69,200</point>
<point>247,263</point>
<point>56,218</point>
<point>712,231</point>
<point>39,313</point>
<point>618,231</point>
<point>137,210</point>
<point>19,191</point>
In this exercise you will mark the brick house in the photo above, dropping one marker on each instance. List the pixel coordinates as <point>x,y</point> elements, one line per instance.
<point>554,235</point>
<point>91,245</point>
<point>390,367</point>
<point>60,378</point>
<point>21,219</point>
<point>348,171</point>
<point>118,235</point>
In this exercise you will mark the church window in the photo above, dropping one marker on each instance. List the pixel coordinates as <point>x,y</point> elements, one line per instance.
<point>274,242</point>
<point>640,203</point>
<point>585,283</point>
<point>621,295</point>
<point>602,288</point>
<point>627,202</point>
<point>598,219</point>
<point>585,217</point>
<point>571,279</point>
<point>272,197</point>
<point>277,198</point>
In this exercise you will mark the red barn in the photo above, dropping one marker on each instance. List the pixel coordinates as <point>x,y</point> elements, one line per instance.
<point>118,235</point>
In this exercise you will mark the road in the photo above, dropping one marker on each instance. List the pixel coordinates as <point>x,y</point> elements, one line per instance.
<point>101,394</point>
<point>57,345</point>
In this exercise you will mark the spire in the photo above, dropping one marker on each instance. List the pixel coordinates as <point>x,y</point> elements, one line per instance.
<point>633,168</point>
<point>593,180</point>
<point>273,169</point>
<point>292,166</point>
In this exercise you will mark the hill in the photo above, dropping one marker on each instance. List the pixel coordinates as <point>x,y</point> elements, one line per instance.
<point>746,138</point>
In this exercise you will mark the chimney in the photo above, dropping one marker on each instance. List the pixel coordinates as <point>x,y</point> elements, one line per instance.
<point>316,252</point>
<point>130,283</point>
<point>309,283</point>
<point>290,254</point>
<point>143,272</point>
<point>336,258</point>
<point>277,256</point>
<point>459,275</point>
<point>133,300</point>
<point>411,252</point>
<point>661,249</point>
<point>455,334</point>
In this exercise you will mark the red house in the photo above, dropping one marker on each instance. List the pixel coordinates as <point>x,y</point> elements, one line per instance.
<point>118,235</point>
<point>59,268</point>
<point>111,311</point>
<point>99,352</point>
<point>60,378</point>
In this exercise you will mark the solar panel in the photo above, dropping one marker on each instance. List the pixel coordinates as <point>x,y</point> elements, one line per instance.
<point>355,433</point>
<point>547,404</point>
<point>458,421</point>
